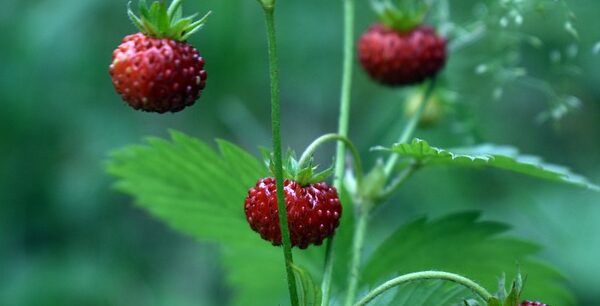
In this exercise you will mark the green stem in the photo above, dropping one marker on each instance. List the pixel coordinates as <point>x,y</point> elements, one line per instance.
<point>310,150</point>
<point>277,159</point>
<point>357,248</point>
<point>410,127</point>
<point>461,280</point>
<point>364,208</point>
<point>343,123</point>
<point>398,181</point>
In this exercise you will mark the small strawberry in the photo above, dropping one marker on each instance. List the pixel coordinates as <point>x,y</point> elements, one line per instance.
<point>400,50</point>
<point>530,303</point>
<point>313,207</point>
<point>156,70</point>
<point>313,211</point>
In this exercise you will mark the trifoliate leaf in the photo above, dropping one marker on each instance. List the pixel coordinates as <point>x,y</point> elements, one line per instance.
<point>488,155</point>
<point>200,192</point>
<point>465,245</point>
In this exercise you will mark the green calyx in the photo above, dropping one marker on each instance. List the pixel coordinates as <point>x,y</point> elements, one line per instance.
<point>401,15</point>
<point>160,21</point>
<point>302,171</point>
<point>512,298</point>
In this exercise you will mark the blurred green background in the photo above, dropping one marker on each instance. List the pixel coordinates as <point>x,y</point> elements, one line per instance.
<point>66,238</point>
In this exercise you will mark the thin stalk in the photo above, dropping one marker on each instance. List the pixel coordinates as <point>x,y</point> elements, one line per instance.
<point>398,181</point>
<point>310,150</point>
<point>343,123</point>
<point>364,208</point>
<point>461,280</point>
<point>410,127</point>
<point>277,159</point>
<point>358,244</point>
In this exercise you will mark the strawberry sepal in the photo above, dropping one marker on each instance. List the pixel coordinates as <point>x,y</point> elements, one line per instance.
<point>160,21</point>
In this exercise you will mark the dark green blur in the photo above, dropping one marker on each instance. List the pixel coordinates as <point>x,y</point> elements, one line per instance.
<point>67,238</point>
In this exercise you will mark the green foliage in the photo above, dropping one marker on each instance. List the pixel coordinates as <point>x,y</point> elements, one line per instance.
<point>465,245</point>
<point>200,192</point>
<point>488,155</point>
<point>424,293</point>
<point>310,293</point>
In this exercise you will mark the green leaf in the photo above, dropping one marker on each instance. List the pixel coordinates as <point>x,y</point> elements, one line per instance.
<point>424,293</point>
<point>465,245</point>
<point>488,155</point>
<point>310,293</point>
<point>200,192</point>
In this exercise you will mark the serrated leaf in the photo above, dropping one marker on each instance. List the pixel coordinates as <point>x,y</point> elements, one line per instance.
<point>488,155</point>
<point>465,245</point>
<point>200,192</point>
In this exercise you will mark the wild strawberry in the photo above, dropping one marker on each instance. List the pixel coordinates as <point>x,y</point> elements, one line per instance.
<point>156,70</point>
<point>530,303</point>
<point>313,211</point>
<point>397,58</point>
<point>399,50</point>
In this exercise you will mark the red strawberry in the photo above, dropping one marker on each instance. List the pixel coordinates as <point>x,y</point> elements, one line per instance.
<point>157,75</point>
<point>530,303</point>
<point>396,58</point>
<point>156,70</point>
<point>313,211</point>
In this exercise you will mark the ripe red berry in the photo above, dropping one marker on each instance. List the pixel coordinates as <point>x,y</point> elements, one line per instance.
<point>313,211</point>
<point>398,58</point>
<point>157,75</point>
<point>530,303</point>
<point>155,70</point>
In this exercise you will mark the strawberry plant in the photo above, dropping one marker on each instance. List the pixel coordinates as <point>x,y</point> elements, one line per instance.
<point>232,197</point>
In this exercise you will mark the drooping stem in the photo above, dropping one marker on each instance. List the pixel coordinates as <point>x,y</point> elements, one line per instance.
<point>411,125</point>
<point>358,243</point>
<point>478,289</point>
<point>277,159</point>
<point>343,123</point>
<point>310,150</point>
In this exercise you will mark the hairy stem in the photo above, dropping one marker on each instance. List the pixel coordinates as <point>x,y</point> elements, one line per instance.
<point>310,150</point>
<point>461,280</point>
<point>277,159</point>
<point>410,127</point>
<point>343,123</point>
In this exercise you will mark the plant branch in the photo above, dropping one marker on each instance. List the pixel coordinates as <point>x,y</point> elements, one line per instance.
<point>277,159</point>
<point>343,123</point>
<point>398,181</point>
<point>310,150</point>
<point>410,127</point>
<point>461,280</point>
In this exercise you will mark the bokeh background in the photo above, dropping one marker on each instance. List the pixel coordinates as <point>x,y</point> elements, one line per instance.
<point>67,238</point>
